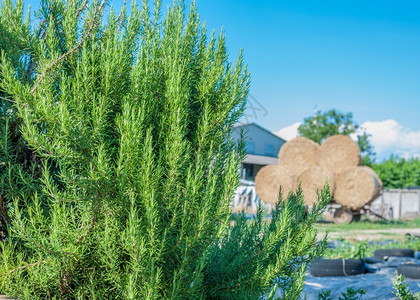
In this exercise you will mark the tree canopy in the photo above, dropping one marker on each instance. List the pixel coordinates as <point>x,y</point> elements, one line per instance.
<point>397,172</point>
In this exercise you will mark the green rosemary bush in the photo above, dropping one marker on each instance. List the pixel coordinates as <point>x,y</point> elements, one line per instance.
<point>18,166</point>
<point>121,185</point>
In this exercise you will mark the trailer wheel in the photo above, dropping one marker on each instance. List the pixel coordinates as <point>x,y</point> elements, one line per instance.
<point>343,216</point>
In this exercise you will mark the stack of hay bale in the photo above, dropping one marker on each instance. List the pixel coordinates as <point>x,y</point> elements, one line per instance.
<point>337,161</point>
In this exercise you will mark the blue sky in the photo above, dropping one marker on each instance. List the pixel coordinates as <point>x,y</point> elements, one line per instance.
<point>355,56</point>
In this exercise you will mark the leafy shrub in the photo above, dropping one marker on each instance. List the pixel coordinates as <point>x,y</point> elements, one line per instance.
<point>401,289</point>
<point>252,255</point>
<point>121,188</point>
<point>348,250</point>
<point>362,249</point>
<point>349,294</point>
<point>398,172</point>
<point>352,294</point>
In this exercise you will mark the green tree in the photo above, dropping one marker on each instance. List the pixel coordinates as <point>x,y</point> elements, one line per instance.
<point>325,124</point>
<point>122,186</point>
<point>398,172</point>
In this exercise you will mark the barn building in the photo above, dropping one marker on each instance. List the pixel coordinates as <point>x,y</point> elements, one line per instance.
<point>261,147</point>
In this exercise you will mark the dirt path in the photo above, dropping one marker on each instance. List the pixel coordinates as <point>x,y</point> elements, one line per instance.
<point>372,234</point>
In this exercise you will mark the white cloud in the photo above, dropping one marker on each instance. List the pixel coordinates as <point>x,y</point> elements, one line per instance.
<point>288,132</point>
<point>384,133</point>
<point>389,136</point>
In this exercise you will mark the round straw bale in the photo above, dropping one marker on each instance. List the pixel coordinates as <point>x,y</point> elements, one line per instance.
<point>338,153</point>
<point>270,179</point>
<point>299,154</point>
<point>378,180</point>
<point>356,187</point>
<point>313,180</point>
<point>374,174</point>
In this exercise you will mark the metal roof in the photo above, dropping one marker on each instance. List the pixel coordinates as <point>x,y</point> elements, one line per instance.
<point>260,160</point>
<point>237,125</point>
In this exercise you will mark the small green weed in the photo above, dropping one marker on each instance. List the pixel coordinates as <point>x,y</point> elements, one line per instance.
<point>324,295</point>
<point>352,294</point>
<point>402,291</point>
<point>349,294</point>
